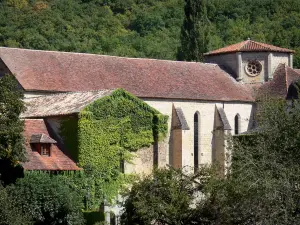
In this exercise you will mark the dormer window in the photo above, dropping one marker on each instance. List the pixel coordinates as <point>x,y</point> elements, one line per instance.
<point>42,143</point>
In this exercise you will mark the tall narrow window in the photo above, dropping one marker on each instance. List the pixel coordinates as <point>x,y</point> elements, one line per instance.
<point>237,124</point>
<point>196,141</point>
<point>122,166</point>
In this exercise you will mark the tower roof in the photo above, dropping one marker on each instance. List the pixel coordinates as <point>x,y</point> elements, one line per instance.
<point>249,46</point>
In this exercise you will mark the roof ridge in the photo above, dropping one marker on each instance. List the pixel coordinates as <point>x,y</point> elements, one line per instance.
<point>71,92</point>
<point>100,55</point>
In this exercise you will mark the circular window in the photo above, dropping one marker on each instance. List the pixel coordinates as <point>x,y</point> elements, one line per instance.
<point>253,68</point>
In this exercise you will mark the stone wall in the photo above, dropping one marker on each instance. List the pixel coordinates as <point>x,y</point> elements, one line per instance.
<point>228,61</point>
<point>260,57</point>
<point>278,58</point>
<point>236,65</point>
<point>206,111</point>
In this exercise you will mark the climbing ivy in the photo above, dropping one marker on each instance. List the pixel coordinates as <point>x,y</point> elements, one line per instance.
<point>108,130</point>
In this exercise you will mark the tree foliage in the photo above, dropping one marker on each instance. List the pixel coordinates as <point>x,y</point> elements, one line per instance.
<point>12,149</point>
<point>10,213</point>
<point>47,199</point>
<point>11,127</point>
<point>168,196</point>
<point>195,33</point>
<point>148,28</point>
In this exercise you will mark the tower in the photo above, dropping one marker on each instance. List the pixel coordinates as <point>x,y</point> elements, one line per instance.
<point>249,61</point>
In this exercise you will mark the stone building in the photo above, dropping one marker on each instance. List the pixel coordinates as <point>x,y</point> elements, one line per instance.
<point>204,101</point>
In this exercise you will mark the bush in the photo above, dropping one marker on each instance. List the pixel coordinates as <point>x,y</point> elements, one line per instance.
<point>47,199</point>
<point>10,214</point>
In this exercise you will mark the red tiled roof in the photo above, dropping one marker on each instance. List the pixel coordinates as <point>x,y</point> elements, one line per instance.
<point>249,46</point>
<point>297,70</point>
<point>282,79</point>
<point>149,78</point>
<point>57,161</point>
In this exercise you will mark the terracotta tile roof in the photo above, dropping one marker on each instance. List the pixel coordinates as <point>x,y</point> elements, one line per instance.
<point>41,138</point>
<point>57,161</point>
<point>297,70</point>
<point>249,46</point>
<point>61,104</point>
<point>148,78</point>
<point>282,79</point>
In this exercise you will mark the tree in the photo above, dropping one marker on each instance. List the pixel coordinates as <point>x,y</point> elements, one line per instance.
<point>168,196</point>
<point>10,214</point>
<point>195,31</point>
<point>12,149</point>
<point>263,186</point>
<point>47,199</point>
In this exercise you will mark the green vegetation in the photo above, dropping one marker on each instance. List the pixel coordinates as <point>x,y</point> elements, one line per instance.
<point>11,106</point>
<point>166,197</point>
<point>134,28</point>
<point>108,131</point>
<point>148,28</point>
<point>12,149</point>
<point>47,199</point>
<point>10,213</point>
<point>195,31</point>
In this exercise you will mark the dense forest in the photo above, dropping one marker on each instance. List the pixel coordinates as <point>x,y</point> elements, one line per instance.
<point>144,28</point>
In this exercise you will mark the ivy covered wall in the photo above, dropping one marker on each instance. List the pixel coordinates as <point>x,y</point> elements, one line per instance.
<point>106,132</point>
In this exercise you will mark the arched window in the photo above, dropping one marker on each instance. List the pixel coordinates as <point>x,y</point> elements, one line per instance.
<point>196,140</point>
<point>237,124</point>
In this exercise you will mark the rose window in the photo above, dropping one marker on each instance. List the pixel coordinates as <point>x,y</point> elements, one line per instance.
<point>253,68</point>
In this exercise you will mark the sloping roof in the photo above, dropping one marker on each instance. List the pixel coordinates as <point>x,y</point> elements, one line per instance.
<point>57,161</point>
<point>249,46</point>
<point>222,114</point>
<point>181,118</point>
<point>148,78</point>
<point>297,70</point>
<point>282,79</point>
<point>61,104</point>
<point>41,138</point>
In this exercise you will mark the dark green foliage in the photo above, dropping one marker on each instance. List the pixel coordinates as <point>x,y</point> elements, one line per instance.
<point>11,127</point>
<point>10,213</point>
<point>47,199</point>
<point>168,196</point>
<point>126,28</point>
<point>110,129</point>
<point>12,149</point>
<point>69,132</point>
<point>148,28</point>
<point>218,23</point>
<point>195,33</point>
<point>93,217</point>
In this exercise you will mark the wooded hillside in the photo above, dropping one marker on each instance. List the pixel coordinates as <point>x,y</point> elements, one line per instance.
<point>143,28</point>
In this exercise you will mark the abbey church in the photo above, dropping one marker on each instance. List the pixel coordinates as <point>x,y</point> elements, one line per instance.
<point>203,101</point>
